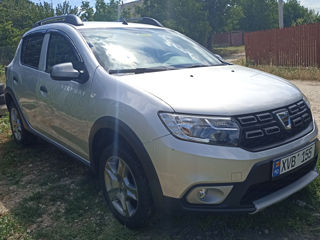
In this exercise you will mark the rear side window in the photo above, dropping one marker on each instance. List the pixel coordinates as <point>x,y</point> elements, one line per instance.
<point>31,50</point>
<point>60,50</point>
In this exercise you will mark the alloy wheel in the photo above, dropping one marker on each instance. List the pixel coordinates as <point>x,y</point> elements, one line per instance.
<point>121,186</point>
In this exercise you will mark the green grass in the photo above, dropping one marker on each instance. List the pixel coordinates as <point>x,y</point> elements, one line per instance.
<point>228,51</point>
<point>48,195</point>
<point>2,75</point>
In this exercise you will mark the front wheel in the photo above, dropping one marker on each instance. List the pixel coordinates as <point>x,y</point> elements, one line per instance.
<point>125,186</point>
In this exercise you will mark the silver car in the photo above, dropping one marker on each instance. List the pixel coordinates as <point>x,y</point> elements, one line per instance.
<point>162,121</point>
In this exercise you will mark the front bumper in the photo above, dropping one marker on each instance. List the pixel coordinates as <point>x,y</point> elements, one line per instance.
<point>182,166</point>
<point>257,192</point>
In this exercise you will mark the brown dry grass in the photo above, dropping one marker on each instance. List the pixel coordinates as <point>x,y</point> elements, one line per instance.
<point>290,73</point>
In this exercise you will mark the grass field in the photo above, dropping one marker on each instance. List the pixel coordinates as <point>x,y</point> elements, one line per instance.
<point>229,51</point>
<point>290,73</point>
<point>44,194</point>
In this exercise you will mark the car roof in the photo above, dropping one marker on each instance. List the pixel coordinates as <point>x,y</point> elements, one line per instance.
<point>73,21</point>
<point>93,24</point>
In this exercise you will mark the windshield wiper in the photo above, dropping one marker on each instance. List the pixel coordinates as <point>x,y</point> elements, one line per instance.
<point>198,65</point>
<point>140,70</point>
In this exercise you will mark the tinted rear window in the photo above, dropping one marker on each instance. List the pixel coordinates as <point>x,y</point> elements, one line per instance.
<point>31,49</point>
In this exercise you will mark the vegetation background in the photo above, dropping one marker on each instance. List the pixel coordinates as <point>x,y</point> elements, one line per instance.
<point>197,19</point>
<point>47,195</point>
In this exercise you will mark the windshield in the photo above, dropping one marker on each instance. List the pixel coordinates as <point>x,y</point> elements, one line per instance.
<point>138,50</point>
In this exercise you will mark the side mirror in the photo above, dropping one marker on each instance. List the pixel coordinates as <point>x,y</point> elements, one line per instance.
<point>64,72</point>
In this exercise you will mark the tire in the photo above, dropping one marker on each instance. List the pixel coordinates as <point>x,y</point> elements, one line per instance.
<point>127,195</point>
<point>2,100</point>
<point>2,88</point>
<point>20,134</point>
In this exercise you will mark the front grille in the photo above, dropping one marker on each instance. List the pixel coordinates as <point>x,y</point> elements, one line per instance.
<point>265,130</point>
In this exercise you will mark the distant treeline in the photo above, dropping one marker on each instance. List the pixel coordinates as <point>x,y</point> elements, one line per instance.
<point>196,18</point>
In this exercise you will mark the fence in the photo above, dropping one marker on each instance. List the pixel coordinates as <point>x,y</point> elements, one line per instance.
<point>294,46</point>
<point>228,39</point>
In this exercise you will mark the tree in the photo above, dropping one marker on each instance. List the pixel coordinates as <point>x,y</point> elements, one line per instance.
<point>87,12</point>
<point>16,17</point>
<point>223,16</point>
<point>220,12</point>
<point>106,11</point>
<point>234,14</point>
<point>296,14</point>
<point>65,8</point>
<point>259,15</point>
<point>186,16</point>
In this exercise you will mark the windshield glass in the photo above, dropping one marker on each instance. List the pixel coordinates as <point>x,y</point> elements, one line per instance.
<point>120,50</point>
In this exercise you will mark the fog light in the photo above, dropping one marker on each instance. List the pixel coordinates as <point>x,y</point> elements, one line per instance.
<point>208,195</point>
<point>203,193</point>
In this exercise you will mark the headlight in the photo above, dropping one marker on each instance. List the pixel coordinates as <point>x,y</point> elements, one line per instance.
<point>211,130</point>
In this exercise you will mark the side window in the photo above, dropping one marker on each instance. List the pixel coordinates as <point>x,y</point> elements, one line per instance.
<point>31,50</point>
<point>60,50</point>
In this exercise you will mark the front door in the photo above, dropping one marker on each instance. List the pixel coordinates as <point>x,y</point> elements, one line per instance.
<point>64,103</point>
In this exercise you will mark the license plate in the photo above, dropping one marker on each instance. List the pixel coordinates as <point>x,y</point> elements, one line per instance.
<point>281,166</point>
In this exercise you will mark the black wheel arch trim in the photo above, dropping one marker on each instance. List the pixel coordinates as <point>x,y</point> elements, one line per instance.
<point>137,146</point>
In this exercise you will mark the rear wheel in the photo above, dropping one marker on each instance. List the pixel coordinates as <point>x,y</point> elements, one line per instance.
<point>125,187</point>
<point>20,134</point>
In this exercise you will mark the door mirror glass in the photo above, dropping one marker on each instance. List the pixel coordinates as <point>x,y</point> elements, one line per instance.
<point>64,72</point>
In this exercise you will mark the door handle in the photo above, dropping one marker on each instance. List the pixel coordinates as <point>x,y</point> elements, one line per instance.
<point>43,89</point>
<point>15,80</point>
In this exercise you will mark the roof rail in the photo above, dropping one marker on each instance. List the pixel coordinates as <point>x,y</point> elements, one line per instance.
<point>70,18</point>
<point>146,20</point>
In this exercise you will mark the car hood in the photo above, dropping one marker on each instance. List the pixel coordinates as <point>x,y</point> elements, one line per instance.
<point>218,90</point>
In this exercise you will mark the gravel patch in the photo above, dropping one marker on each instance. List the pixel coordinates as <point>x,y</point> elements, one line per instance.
<point>312,90</point>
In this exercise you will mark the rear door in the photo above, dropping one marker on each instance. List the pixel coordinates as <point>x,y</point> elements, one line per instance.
<point>26,76</point>
<point>64,104</point>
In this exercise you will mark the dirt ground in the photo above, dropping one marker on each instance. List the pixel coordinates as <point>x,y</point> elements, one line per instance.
<point>312,90</point>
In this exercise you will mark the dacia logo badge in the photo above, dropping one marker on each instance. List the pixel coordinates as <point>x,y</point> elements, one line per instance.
<point>285,119</point>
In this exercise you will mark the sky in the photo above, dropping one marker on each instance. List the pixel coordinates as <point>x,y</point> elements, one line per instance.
<point>312,4</point>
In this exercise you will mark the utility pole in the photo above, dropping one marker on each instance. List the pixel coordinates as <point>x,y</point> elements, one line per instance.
<point>280,3</point>
<point>119,11</point>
